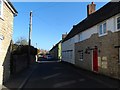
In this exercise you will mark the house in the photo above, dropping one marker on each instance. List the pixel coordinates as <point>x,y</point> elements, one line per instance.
<point>56,51</point>
<point>7,13</point>
<point>95,41</point>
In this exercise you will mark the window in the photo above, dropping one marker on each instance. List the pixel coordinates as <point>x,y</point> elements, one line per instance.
<point>1,8</point>
<point>118,23</point>
<point>81,55</point>
<point>102,29</point>
<point>119,56</point>
<point>80,37</point>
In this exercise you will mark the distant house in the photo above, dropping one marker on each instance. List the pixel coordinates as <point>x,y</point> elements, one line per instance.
<point>94,43</point>
<point>7,13</point>
<point>56,51</point>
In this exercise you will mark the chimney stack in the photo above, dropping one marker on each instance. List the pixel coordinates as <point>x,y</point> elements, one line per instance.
<point>64,35</point>
<point>91,8</point>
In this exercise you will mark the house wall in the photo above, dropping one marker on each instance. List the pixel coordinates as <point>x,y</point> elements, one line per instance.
<point>59,51</point>
<point>111,26</point>
<point>68,50</point>
<point>107,53</point>
<point>54,52</point>
<point>6,29</point>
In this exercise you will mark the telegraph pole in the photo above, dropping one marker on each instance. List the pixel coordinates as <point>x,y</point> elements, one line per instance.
<point>30,30</point>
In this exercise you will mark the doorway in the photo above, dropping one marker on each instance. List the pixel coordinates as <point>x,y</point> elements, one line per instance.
<point>95,59</point>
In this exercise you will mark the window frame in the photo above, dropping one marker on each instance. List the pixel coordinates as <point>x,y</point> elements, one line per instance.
<point>119,55</point>
<point>81,55</point>
<point>101,30</point>
<point>80,36</point>
<point>1,15</point>
<point>117,23</point>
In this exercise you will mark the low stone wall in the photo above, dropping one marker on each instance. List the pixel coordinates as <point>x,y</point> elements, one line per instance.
<point>20,62</point>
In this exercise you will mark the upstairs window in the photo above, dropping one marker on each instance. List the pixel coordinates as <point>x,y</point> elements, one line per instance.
<point>102,29</point>
<point>118,23</point>
<point>80,37</point>
<point>1,8</point>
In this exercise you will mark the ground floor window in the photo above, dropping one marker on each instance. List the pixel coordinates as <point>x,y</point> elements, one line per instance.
<point>119,56</point>
<point>81,55</point>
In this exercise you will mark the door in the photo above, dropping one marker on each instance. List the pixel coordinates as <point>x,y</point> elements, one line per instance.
<point>95,59</point>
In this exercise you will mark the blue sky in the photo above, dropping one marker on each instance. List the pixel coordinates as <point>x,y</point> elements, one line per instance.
<point>50,20</point>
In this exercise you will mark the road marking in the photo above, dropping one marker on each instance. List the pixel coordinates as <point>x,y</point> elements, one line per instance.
<point>52,76</point>
<point>47,61</point>
<point>82,79</point>
<point>64,83</point>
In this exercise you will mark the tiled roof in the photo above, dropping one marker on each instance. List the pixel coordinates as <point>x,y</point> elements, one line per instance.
<point>12,7</point>
<point>55,45</point>
<point>107,11</point>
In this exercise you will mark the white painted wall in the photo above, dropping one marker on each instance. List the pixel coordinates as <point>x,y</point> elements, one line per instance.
<point>87,34</point>
<point>70,44</point>
<point>111,26</point>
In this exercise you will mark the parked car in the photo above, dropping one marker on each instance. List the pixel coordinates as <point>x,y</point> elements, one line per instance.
<point>48,57</point>
<point>40,55</point>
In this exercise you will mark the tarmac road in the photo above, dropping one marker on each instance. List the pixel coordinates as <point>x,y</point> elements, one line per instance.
<point>54,74</point>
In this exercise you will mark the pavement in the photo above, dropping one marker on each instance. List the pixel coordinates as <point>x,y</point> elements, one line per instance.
<point>18,80</point>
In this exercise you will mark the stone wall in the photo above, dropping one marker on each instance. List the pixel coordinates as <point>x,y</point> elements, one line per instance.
<point>6,29</point>
<point>107,53</point>
<point>20,62</point>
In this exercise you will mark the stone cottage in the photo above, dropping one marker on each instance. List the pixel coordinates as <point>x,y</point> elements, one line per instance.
<point>7,14</point>
<point>95,41</point>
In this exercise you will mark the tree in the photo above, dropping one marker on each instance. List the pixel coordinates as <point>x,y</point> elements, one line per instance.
<point>21,41</point>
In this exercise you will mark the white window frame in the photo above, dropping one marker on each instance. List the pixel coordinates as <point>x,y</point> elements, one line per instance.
<point>117,23</point>
<point>81,55</point>
<point>119,56</point>
<point>102,27</point>
<point>80,36</point>
<point>1,9</point>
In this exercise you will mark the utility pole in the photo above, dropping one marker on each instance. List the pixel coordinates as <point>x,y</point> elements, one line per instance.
<point>30,30</point>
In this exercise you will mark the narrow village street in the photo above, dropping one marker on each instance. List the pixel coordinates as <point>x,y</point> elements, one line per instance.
<point>47,44</point>
<point>54,74</point>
